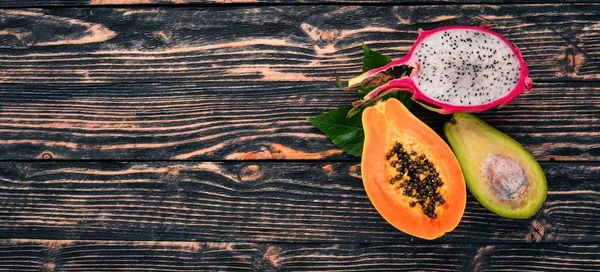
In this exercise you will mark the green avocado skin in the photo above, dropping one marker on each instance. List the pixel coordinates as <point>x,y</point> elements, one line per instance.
<point>465,128</point>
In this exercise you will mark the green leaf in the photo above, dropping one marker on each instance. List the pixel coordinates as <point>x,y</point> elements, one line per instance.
<point>403,97</point>
<point>364,91</point>
<point>345,133</point>
<point>373,59</point>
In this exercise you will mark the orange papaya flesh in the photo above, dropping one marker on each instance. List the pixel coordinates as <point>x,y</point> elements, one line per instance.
<point>409,173</point>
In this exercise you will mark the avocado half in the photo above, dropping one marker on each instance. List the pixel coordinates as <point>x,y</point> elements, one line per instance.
<point>499,172</point>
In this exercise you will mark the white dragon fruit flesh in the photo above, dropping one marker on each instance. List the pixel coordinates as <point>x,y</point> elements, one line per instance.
<point>453,69</point>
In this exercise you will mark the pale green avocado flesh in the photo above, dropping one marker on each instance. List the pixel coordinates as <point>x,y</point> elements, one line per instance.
<point>499,172</point>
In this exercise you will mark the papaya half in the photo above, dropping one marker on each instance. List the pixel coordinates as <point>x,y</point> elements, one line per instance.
<point>409,173</point>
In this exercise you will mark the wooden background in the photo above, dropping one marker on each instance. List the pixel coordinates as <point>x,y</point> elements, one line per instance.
<point>171,136</point>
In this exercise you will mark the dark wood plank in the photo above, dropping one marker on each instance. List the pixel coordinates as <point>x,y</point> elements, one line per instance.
<point>68,255</point>
<point>556,121</point>
<point>68,3</point>
<point>265,43</point>
<point>258,202</point>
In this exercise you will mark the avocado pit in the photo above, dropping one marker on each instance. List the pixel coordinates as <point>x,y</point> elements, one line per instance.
<point>505,176</point>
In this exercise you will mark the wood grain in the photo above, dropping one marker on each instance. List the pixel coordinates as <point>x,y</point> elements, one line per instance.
<point>201,83</point>
<point>258,202</point>
<point>251,121</point>
<point>68,3</point>
<point>271,43</point>
<point>68,255</point>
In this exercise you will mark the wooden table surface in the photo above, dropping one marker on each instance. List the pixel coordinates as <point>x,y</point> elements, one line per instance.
<point>171,136</point>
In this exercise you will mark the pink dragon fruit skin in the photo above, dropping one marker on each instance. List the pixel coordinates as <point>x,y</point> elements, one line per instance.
<point>476,61</point>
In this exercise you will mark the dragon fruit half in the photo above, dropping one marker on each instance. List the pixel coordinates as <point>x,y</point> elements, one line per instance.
<point>453,69</point>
